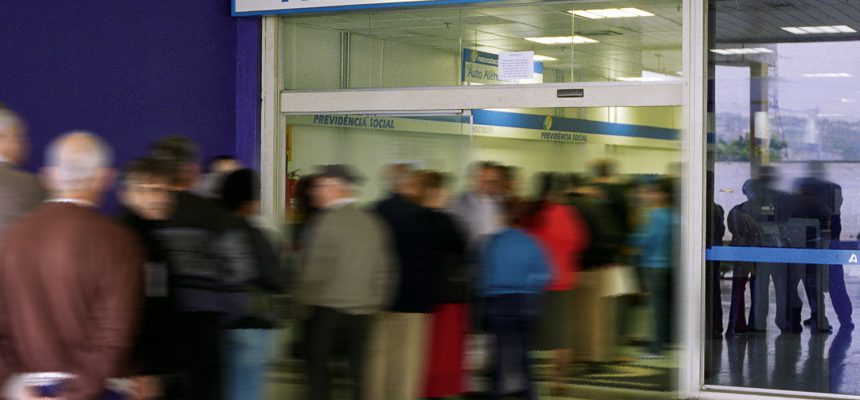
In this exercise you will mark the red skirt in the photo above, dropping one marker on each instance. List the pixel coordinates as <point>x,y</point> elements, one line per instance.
<point>444,374</point>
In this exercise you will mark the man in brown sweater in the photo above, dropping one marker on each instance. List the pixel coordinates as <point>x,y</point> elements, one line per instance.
<point>70,282</point>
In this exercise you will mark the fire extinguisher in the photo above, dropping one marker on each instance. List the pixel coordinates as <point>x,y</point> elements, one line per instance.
<point>292,185</point>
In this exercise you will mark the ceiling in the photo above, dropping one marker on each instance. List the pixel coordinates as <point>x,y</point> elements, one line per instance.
<point>743,21</point>
<point>626,45</point>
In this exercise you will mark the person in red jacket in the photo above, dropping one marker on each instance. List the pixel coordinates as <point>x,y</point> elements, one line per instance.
<point>563,234</point>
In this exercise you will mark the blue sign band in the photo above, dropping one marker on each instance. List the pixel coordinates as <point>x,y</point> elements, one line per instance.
<point>781,255</point>
<point>539,122</point>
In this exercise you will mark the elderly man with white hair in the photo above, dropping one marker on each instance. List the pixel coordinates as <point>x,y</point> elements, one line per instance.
<point>70,283</point>
<point>20,192</point>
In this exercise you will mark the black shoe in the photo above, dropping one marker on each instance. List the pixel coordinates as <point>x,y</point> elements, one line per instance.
<point>808,321</point>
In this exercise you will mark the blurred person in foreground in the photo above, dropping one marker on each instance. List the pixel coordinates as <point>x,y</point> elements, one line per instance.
<point>347,277</point>
<point>305,210</point>
<point>249,334</point>
<point>559,228</point>
<point>218,168</point>
<point>398,340</point>
<point>655,241</point>
<point>146,202</point>
<point>476,212</point>
<point>477,209</point>
<point>209,261</point>
<point>20,192</point>
<point>594,312</point>
<point>514,272</point>
<point>614,195</point>
<point>444,375</point>
<point>70,284</point>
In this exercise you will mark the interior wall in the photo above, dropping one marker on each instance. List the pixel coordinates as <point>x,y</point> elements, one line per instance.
<point>133,72</point>
<point>370,150</point>
<point>379,63</point>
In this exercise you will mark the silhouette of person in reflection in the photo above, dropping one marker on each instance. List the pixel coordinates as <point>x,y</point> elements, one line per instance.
<point>745,233</point>
<point>764,221</point>
<point>824,197</point>
<point>714,232</point>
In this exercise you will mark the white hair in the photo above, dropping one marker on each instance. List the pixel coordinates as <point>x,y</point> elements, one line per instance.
<point>9,118</point>
<point>76,159</point>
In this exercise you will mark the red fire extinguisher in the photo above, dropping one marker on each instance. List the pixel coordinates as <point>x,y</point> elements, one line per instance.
<point>292,185</point>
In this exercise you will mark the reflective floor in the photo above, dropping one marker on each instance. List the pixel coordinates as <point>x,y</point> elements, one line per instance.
<point>825,362</point>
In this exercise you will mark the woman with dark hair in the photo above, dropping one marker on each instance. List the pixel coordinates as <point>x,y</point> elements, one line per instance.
<point>444,374</point>
<point>564,235</point>
<point>514,271</point>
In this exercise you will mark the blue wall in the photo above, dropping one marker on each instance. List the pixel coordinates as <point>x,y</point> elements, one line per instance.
<point>133,71</point>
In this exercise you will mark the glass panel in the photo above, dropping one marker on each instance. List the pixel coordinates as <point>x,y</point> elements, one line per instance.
<point>447,46</point>
<point>617,281</point>
<point>783,147</point>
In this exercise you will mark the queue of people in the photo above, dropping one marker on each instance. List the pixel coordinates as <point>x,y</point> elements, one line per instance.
<point>158,302</point>
<point>169,298</point>
<point>485,263</point>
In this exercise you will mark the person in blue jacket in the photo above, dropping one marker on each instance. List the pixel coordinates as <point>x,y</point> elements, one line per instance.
<point>515,270</point>
<point>655,241</point>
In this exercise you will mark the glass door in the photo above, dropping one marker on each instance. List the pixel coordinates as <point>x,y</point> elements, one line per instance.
<point>629,148</point>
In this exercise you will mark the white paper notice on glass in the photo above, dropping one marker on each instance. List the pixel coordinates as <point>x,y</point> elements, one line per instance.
<point>516,65</point>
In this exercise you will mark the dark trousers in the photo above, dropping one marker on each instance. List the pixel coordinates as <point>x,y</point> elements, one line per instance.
<point>714,312</point>
<point>658,282</point>
<point>737,309</point>
<point>323,328</point>
<point>199,348</point>
<point>511,320</point>
<point>785,278</point>
<point>838,293</point>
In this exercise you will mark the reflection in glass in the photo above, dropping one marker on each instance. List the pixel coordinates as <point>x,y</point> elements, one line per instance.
<point>783,150</point>
<point>614,166</point>
<point>596,41</point>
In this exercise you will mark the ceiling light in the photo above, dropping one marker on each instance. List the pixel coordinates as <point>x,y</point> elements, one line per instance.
<point>637,12</point>
<point>648,76</point>
<point>612,13</point>
<point>745,50</point>
<point>561,39</point>
<point>628,12</point>
<point>828,75</point>
<point>823,29</point>
<point>812,29</point>
<point>539,57</point>
<point>587,14</point>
